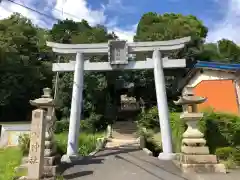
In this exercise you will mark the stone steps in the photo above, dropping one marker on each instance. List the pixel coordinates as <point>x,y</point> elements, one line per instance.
<point>123,134</point>
<point>124,129</point>
<point>121,142</point>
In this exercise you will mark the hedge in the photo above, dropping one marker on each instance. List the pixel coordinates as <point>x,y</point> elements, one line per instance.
<point>220,129</point>
<point>94,123</point>
<point>87,143</point>
<point>149,120</point>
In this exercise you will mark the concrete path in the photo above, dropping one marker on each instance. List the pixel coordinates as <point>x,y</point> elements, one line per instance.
<point>119,163</point>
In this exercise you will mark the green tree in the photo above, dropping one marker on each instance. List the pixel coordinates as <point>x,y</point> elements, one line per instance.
<point>224,50</point>
<point>156,27</point>
<point>95,83</point>
<point>229,51</point>
<point>22,76</point>
<point>209,52</point>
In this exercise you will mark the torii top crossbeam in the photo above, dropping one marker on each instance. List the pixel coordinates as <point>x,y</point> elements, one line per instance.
<point>118,54</point>
<point>103,48</point>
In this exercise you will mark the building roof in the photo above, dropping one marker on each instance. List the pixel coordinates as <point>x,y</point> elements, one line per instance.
<point>234,68</point>
<point>217,66</point>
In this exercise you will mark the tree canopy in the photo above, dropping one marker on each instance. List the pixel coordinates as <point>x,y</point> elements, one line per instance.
<point>25,61</point>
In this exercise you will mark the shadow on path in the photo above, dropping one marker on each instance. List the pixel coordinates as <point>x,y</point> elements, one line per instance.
<point>77,175</point>
<point>84,161</point>
<point>162,170</point>
<point>165,165</point>
<point>115,151</point>
<point>119,157</point>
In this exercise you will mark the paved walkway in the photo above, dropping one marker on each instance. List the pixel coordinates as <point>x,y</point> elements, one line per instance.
<point>119,163</point>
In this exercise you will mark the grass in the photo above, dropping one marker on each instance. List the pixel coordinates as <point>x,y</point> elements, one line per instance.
<point>9,159</point>
<point>87,142</point>
<point>15,122</point>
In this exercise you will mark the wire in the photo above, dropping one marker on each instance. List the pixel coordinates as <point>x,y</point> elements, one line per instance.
<point>34,10</point>
<point>43,14</point>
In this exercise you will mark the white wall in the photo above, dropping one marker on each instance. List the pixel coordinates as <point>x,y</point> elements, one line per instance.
<point>209,75</point>
<point>11,132</point>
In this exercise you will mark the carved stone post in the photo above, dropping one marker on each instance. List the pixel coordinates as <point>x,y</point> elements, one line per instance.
<point>36,149</point>
<point>48,157</point>
<point>194,156</point>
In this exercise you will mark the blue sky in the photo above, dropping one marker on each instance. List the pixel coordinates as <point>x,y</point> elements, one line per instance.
<point>122,16</point>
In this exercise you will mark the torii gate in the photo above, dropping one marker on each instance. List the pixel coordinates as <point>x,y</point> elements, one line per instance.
<point>118,51</point>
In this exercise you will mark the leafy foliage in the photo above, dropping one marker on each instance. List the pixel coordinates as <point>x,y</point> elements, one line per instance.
<point>157,27</point>
<point>24,143</point>
<point>95,84</point>
<point>221,126</point>
<point>225,152</point>
<point>22,76</point>
<point>153,26</point>
<point>224,51</point>
<point>61,126</point>
<point>149,120</point>
<point>215,125</point>
<point>87,143</point>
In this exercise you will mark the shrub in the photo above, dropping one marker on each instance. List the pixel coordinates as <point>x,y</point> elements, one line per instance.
<point>221,126</point>
<point>87,143</point>
<point>237,155</point>
<point>94,123</point>
<point>178,127</point>
<point>61,126</point>
<point>225,153</point>
<point>152,141</point>
<point>24,143</point>
<point>150,120</point>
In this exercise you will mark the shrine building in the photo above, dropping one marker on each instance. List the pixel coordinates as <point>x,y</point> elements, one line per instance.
<point>218,82</point>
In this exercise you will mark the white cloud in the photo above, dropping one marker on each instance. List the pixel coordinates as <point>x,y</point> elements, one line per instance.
<point>125,34</point>
<point>62,9</point>
<point>229,26</point>
<point>7,8</point>
<point>118,6</point>
<point>78,11</point>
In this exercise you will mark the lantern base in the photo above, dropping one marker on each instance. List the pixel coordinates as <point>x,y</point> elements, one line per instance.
<point>200,164</point>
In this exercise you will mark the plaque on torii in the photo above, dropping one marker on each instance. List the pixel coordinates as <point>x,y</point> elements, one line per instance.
<point>118,52</point>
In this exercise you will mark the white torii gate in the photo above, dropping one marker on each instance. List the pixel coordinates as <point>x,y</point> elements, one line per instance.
<point>118,59</point>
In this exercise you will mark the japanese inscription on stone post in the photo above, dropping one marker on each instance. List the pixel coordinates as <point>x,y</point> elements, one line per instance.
<point>36,150</point>
<point>118,52</point>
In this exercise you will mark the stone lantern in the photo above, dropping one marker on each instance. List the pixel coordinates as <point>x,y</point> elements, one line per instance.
<point>195,156</point>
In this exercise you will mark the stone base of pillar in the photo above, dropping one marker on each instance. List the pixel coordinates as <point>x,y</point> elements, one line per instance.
<point>70,158</point>
<point>50,171</point>
<point>200,163</point>
<point>166,156</point>
<point>51,165</point>
<point>51,158</point>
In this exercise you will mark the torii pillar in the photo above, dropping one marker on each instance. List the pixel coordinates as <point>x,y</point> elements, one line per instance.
<point>76,107</point>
